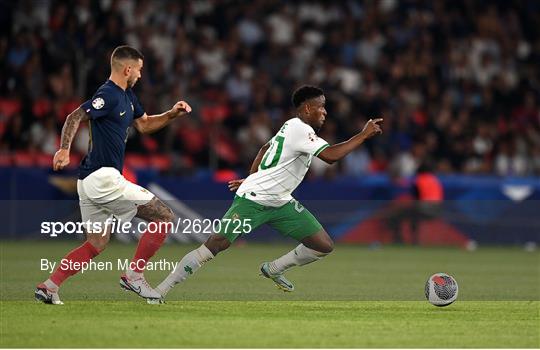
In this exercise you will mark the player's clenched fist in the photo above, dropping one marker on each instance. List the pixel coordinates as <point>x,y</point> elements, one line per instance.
<point>181,108</point>
<point>372,127</point>
<point>61,159</point>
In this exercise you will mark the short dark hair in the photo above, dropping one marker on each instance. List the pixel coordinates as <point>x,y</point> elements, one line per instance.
<point>304,93</point>
<point>126,52</point>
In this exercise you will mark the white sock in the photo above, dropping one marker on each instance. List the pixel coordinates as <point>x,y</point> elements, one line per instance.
<point>51,285</point>
<point>133,275</point>
<point>190,263</point>
<point>299,256</point>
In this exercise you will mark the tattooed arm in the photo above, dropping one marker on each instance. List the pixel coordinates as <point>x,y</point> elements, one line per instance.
<point>71,125</point>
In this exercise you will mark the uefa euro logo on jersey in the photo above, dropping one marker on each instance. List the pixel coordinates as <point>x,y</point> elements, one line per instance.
<point>98,103</point>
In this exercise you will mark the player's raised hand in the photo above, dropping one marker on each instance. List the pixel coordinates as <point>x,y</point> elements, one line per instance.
<point>61,159</point>
<point>372,128</point>
<point>181,108</point>
<point>234,184</point>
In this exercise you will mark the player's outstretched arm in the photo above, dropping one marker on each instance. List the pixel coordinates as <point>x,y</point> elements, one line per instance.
<point>150,123</point>
<point>338,151</point>
<point>234,184</point>
<point>71,125</point>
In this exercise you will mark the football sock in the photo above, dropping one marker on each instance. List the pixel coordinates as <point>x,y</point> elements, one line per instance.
<point>132,274</point>
<point>81,254</point>
<point>190,263</point>
<point>149,243</point>
<point>51,285</point>
<point>299,256</point>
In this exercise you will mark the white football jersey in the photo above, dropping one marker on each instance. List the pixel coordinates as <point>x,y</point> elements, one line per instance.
<point>284,164</point>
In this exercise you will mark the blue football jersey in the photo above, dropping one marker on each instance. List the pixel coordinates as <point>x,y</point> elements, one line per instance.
<point>111,111</point>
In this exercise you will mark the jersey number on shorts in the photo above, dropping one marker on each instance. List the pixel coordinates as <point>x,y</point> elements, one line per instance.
<point>276,147</point>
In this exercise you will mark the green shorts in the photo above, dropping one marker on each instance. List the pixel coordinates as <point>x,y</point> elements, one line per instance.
<point>291,219</point>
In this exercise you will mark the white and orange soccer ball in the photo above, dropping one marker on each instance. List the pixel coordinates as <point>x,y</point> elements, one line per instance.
<point>441,289</point>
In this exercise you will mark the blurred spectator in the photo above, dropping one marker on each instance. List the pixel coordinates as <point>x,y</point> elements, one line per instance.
<point>44,138</point>
<point>427,195</point>
<point>455,80</point>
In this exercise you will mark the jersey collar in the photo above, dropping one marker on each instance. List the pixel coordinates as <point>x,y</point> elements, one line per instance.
<point>112,83</point>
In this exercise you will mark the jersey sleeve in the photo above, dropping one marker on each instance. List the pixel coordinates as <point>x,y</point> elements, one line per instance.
<point>305,140</point>
<point>101,104</point>
<point>138,110</point>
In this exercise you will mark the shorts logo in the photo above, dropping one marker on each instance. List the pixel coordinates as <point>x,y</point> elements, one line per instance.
<point>122,113</point>
<point>235,216</point>
<point>98,103</point>
<point>297,206</point>
<point>144,190</point>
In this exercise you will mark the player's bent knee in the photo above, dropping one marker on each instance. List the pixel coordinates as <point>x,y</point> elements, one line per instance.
<point>217,243</point>
<point>324,247</point>
<point>320,242</point>
<point>167,215</point>
<point>328,247</point>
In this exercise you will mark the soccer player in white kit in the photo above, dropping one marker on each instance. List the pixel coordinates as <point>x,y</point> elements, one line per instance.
<point>265,195</point>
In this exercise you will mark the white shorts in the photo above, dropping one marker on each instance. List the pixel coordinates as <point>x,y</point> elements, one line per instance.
<point>106,193</point>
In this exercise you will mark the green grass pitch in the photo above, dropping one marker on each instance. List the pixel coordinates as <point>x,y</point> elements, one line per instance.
<point>356,297</point>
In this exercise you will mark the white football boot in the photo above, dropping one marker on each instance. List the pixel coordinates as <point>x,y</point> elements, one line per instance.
<point>141,288</point>
<point>280,281</point>
<point>47,296</point>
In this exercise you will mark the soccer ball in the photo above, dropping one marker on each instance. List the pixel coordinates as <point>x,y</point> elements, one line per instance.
<point>441,289</point>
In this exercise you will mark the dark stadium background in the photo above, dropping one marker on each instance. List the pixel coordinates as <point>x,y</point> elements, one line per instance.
<point>457,83</point>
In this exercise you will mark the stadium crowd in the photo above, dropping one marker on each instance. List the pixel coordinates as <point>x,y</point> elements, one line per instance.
<point>457,82</point>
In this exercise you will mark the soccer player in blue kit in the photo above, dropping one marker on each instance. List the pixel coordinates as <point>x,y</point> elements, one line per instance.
<point>103,192</point>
